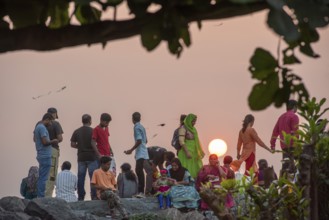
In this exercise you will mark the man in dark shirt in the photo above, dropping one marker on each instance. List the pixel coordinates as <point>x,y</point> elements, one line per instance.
<point>55,132</point>
<point>158,155</point>
<point>87,155</point>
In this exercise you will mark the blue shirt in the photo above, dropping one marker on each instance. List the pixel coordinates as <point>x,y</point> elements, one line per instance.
<point>140,134</point>
<point>41,131</point>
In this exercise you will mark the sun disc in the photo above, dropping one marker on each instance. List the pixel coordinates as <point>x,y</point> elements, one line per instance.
<point>217,146</point>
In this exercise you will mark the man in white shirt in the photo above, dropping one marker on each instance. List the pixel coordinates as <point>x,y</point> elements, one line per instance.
<point>66,183</point>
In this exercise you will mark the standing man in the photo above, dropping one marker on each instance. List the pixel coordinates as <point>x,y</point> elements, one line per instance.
<point>66,183</point>
<point>55,132</point>
<point>44,150</point>
<point>141,157</point>
<point>288,123</point>
<point>87,155</point>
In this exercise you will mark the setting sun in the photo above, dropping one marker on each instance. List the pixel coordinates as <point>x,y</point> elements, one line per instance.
<point>217,146</point>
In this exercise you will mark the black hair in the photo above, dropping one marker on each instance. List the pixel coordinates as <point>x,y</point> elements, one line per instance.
<point>291,104</point>
<point>182,118</point>
<point>262,163</point>
<point>130,175</point>
<point>137,116</point>
<point>249,118</point>
<point>66,165</point>
<point>170,155</point>
<point>106,117</point>
<point>86,119</point>
<point>47,116</point>
<point>105,159</point>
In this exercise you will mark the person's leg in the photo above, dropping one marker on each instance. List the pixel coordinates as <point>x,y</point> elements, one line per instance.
<point>168,201</point>
<point>44,168</point>
<point>149,176</point>
<point>92,166</point>
<point>50,185</point>
<point>160,200</point>
<point>140,175</point>
<point>249,163</point>
<point>82,170</point>
<point>113,201</point>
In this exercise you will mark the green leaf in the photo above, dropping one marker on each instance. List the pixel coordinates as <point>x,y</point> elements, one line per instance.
<point>290,59</point>
<point>87,14</point>
<point>263,64</point>
<point>26,13</point>
<point>276,4</point>
<point>185,35</point>
<point>114,2</point>
<point>83,2</point>
<point>307,50</point>
<point>151,36</point>
<point>262,94</point>
<point>59,14</point>
<point>283,25</point>
<point>138,7</point>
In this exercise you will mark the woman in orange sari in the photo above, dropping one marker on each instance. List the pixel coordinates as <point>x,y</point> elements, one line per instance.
<point>247,140</point>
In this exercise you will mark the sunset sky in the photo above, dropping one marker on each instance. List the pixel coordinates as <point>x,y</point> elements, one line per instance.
<point>211,80</point>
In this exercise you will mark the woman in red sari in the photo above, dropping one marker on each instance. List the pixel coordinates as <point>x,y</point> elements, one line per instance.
<point>247,140</point>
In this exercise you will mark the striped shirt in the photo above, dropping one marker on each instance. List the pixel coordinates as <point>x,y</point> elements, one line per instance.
<point>66,185</point>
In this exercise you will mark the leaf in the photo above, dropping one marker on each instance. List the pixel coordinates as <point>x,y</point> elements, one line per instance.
<point>292,59</point>
<point>83,2</point>
<point>151,36</point>
<point>138,7</point>
<point>59,14</point>
<point>276,4</point>
<point>263,64</point>
<point>262,94</point>
<point>283,25</point>
<point>87,14</point>
<point>26,13</point>
<point>307,50</point>
<point>4,24</point>
<point>114,2</point>
<point>185,35</point>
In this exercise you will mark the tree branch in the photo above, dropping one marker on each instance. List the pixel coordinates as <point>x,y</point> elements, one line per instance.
<point>42,38</point>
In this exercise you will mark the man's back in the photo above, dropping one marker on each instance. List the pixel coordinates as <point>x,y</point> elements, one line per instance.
<point>66,184</point>
<point>82,136</point>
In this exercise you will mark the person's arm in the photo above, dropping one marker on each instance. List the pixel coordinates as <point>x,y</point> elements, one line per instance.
<point>239,144</point>
<point>294,125</point>
<point>275,134</point>
<point>182,133</point>
<point>137,143</point>
<point>59,132</point>
<point>94,146</point>
<point>74,144</point>
<point>23,187</point>
<point>255,136</point>
<point>46,142</point>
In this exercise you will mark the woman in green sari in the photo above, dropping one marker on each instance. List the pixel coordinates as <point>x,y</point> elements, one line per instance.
<point>191,153</point>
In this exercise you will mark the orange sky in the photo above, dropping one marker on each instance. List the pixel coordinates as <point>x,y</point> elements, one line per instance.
<point>210,79</point>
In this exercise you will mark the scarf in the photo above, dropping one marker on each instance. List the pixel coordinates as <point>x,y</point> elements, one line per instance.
<point>179,174</point>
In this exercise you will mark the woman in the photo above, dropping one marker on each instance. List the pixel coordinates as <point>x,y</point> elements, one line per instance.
<point>29,184</point>
<point>183,193</point>
<point>127,182</point>
<point>212,173</point>
<point>248,138</point>
<point>191,153</point>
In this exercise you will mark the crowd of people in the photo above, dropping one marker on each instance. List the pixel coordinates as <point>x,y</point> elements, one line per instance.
<point>175,181</point>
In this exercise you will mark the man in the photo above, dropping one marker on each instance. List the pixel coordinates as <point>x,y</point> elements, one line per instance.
<point>287,123</point>
<point>55,132</point>
<point>175,139</point>
<point>104,182</point>
<point>44,151</point>
<point>87,155</point>
<point>66,183</point>
<point>141,157</point>
<point>100,136</point>
<point>158,155</point>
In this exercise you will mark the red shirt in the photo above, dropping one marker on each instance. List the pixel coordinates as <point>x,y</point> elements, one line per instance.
<point>287,122</point>
<point>101,136</point>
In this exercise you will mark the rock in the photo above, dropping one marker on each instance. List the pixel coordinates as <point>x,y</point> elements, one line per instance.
<point>12,204</point>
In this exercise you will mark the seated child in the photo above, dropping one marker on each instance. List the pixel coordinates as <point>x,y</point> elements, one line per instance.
<point>162,186</point>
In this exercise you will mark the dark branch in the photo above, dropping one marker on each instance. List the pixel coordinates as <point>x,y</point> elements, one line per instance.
<point>41,38</point>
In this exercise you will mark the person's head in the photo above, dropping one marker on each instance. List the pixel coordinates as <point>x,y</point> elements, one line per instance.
<point>169,155</point>
<point>248,120</point>
<point>86,119</point>
<point>292,105</point>
<point>66,165</point>
<point>176,164</point>
<point>136,117</point>
<point>105,162</point>
<point>228,160</point>
<point>105,119</point>
<point>190,120</point>
<point>213,160</point>
<point>53,111</point>
<point>34,170</point>
<point>164,172</point>
<point>125,167</point>
<point>262,164</point>
<point>47,118</point>
<point>182,118</point>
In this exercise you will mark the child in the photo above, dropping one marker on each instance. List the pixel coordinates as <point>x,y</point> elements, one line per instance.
<point>162,186</point>
<point>127,182</point>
